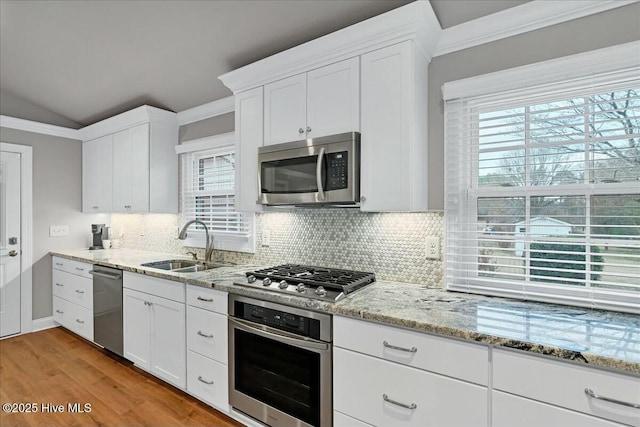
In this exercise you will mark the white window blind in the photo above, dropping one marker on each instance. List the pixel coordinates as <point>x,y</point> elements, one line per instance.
<point>543,192</point>
<point>208,194</point>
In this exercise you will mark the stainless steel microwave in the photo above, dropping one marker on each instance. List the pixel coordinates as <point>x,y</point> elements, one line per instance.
<point>316,171</point>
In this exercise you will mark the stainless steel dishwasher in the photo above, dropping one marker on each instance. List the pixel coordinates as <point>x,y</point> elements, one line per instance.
<point>107,308</point>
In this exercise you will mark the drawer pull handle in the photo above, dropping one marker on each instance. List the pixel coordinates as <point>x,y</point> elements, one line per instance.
<point>80,321</point>
<point>79,269</point>
<point>593,394</point>
<point>80,292</point>
<point>148,303</point>
<point>204,381</point>
<point>59,312</point>
<point>395,402</point>
<point>59,264</point>
<point>204,335</point>
<point>59,284</point>
<point>408,350</point>
<point>205,299</point>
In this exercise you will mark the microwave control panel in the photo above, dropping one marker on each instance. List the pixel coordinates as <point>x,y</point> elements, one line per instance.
<point>337,170</point>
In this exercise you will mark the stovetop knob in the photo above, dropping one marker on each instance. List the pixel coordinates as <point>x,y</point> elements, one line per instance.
<point>266,281</point>
<point>251,279</point>
<point>301,288</point>
<point>283,284</point>
<point>320,290</point>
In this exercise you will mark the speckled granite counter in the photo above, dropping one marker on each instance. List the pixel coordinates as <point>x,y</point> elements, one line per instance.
<point>599,338</point>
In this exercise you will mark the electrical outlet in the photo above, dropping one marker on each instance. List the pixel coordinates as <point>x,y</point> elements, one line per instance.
<point>266,237</point>
<point>433,247</point>
<point>58,230</point>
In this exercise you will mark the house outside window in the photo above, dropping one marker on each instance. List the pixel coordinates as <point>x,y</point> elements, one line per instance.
<point>543,181</point>
<point>208,195</point>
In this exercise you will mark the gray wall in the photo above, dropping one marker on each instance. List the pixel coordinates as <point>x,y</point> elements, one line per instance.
<point>209,127</point>
<point>610,28</point>
<point>14,106</point>
<point>57,200</point>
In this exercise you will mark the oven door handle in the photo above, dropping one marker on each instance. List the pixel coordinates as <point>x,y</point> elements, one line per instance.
<point>298,342</point>
<point>319,174</point>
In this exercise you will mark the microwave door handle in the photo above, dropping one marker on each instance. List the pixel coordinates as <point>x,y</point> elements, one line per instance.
<point>319,174</point>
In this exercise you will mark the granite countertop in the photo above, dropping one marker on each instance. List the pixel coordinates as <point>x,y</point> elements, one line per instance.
<point>599,338</point>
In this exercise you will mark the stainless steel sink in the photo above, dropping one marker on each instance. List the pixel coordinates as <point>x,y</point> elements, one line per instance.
<point>183,265</point>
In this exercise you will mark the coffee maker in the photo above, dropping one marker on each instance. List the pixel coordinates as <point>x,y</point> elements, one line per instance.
<point>100,233</point>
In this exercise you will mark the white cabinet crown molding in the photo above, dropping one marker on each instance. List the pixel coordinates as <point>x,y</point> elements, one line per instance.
<point>206,111</point>
<point>206,143</point>
<point>128,119</point>
<point>521,19</point>
<point>414,21</point>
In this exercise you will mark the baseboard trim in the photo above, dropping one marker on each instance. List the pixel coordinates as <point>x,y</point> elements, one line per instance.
<point>43,323</point>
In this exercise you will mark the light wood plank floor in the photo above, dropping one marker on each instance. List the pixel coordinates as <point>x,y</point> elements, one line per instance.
<point>57,367</point>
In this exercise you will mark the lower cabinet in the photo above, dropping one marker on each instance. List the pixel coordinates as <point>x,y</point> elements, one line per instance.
<point>73,317</point>
<point>154,335</point>
<point>72,288</point>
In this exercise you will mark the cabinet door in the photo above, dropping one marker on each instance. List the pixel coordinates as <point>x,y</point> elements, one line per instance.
<point>249,135</point>
<point>285,110</point>
<point>168,341</point>
<point>97,175</point>
<point>386,129</point>
<point>137,327</point>
<point>131,169</point>
<point>333,99</point>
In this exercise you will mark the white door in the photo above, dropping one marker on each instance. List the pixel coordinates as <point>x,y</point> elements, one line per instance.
<point>122,169</point>
<point>10,243</point>
<point>285,110</point>
<point>136,313</point>
<point>168,341</point>
<point>97,175</point>
<point>333,99</point>
<point>248,138</point>
<point>140,173</point>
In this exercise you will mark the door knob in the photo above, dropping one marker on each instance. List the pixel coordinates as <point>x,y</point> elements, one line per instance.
<point>13,253</point>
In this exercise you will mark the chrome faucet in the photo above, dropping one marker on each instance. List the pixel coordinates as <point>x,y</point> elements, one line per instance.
<point>209,239</point>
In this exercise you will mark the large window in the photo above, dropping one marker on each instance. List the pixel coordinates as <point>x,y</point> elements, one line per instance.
<point>208,194</point>
<point>543,191</point>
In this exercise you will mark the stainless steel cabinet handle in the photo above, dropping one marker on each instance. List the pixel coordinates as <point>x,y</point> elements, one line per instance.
<point>204,381</point>
<point>13,253</point>
<point>94,207</point>
<point>148,303</point>
<point>408,350</point>
<point>395,402</point>
<point>59,284</point>
<point>79,321</point>
<point>205,299</point>
<point>308,129</point>
<point>59,264</point>
<point>59,312</point>
<point>300,130</point>
<point>79,291</point>
<point>204,335</point>
<point>79,269</point>
<point>593,394</point>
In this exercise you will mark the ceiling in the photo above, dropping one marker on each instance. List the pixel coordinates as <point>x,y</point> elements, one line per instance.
<point>86,61</point>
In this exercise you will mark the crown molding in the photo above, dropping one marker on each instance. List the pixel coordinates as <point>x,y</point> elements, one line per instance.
<point>137,116</point>
<point>518,20</point>
<point>206,111</point>
<point>414,21</point>
<point>37,127</point>
<point>206,143</point>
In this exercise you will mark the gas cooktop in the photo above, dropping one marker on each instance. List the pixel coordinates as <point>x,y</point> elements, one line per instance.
<point>327,284</point>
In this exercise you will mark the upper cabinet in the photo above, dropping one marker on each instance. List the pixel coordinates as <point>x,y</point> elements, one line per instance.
<point>321,102</point>
<point>370,77</point>
<point>129,163</point>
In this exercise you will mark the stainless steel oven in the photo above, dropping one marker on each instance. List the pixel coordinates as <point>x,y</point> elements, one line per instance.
<point>323,170</point>
<point>280,363</point>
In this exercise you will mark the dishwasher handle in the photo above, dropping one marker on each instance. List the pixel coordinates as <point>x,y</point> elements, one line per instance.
<point>106,275</point>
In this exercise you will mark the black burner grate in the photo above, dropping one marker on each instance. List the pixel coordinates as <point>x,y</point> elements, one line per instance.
<point>343,280</point>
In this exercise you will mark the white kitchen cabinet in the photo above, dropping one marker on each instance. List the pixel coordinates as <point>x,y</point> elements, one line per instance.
<point>394,124</point>
<point>510,410</point>
<point>322,102</point>
<point>154,330</point>
<point>72,288</point>
<point>97,175</point>
<point>563,385</point>
<point>342,420</point>
<point>249,136</point>
<point>131,169</point>
<point>140,147</point>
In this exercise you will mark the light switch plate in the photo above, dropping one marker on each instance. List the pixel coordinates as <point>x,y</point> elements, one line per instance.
<point>266,238</point>
<point>433,247</point>
<point>58,230</point>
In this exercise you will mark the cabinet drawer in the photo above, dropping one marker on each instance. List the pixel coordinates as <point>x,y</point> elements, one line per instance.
<point>509,410</point>
<point>207,333</point>
<point>61,312</point>
<point>360,384</point>
<point>342,420</point>
<point>208,380</point>
<point>208,299</point>
<point>77,289</point>
<point>72,266</point>
<point>563,384</point>
<point>73,317</point>
<point>466,361</point>
<point>163,288</point>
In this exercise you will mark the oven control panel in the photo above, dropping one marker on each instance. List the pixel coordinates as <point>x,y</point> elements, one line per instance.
<point>278,319</point>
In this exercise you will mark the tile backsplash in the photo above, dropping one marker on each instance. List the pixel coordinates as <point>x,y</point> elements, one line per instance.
<point>392,245</point>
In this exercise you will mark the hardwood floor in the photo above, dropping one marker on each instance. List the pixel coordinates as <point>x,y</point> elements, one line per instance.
<point>55,367</point>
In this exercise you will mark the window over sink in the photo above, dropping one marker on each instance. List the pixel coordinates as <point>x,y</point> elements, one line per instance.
<point>543,181</point>
<point>208,195</point>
